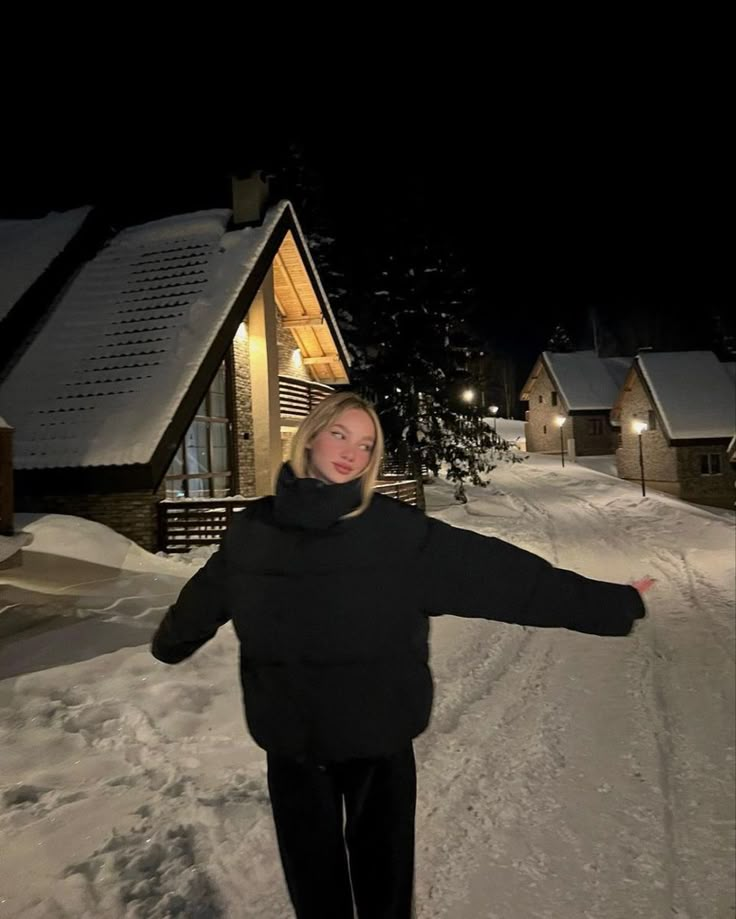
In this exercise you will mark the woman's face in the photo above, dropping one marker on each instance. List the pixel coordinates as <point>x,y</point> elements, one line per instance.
<point>343,449</point>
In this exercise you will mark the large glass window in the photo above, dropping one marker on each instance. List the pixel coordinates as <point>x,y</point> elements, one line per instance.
<point>201,465</point>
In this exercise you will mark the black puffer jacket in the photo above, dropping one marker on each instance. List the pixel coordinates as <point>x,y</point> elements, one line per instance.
<point>332,613</point>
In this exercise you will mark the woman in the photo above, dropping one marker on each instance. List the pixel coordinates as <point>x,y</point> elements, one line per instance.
<point>329,587</point>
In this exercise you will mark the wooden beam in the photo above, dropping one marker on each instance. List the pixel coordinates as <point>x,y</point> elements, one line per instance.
<point>303,323</point>
<point>325,359</point>
<point>289,280</point>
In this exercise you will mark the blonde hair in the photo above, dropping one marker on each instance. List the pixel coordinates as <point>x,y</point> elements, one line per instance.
<point>322,417</point>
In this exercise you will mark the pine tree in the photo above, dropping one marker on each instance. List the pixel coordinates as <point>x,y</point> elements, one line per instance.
<point>411,337</point>
<point>560,341</point>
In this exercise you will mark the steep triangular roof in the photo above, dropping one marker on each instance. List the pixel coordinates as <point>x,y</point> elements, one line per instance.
<point>584,381</point>
<point>115,375</point>
<point>692,393</point>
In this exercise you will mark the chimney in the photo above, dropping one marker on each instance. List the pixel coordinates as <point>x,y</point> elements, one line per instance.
<point>250,194</point>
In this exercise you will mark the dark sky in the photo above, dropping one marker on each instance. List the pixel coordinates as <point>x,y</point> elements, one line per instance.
<point>631,224</point>
<point>628,216</point>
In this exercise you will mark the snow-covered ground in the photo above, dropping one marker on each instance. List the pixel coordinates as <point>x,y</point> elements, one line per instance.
<point>563,776</point>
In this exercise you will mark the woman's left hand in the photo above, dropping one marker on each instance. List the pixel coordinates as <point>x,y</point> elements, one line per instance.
<point>644,584</point>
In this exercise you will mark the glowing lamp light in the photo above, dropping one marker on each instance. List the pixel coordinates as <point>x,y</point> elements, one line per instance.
<point>559,421</point>
<point>468,395</point>
<point>639,428</point>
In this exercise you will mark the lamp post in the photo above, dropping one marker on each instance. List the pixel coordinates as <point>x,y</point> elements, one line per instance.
<point>639,428</point>
<point>493,409</point>
<point>559,421</point>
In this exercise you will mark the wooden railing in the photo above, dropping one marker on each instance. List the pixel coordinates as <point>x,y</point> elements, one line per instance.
<point>184,525</point>
<point>402,489</point>
<point>6,479</point>
<point>297,397</point>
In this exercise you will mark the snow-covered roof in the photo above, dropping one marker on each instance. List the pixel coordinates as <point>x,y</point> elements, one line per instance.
<point>103,378</point>
<point>694,396</point>
<point>28,247</point>
<point>618,368</point>
<point>3,423</point>
<point>585,381</point>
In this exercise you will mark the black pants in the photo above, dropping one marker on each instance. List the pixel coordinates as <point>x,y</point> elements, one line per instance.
<point>379,797</point>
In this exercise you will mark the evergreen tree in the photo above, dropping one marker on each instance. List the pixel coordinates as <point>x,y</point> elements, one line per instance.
<point>411,336</point>
<point>560,341</point>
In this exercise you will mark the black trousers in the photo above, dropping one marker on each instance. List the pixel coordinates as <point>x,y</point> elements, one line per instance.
<point>367,847</point>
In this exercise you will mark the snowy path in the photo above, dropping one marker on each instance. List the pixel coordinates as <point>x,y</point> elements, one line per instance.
<point>563,776</point>
<point>599,773</point>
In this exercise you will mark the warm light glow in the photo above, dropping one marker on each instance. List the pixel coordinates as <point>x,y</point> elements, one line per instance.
<point>560,420</point>
<point>242,333</point>
<point>639,426</point>
<point>493,409</point>
<point>296,357</point>
<point>468,395</point>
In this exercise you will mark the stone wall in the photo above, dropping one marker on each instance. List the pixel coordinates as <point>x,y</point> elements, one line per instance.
<point>242,422</point>
<point>542,432</point>
<point>660,459</point>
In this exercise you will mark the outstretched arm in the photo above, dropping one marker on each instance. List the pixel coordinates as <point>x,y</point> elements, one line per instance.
<point>466,574</point>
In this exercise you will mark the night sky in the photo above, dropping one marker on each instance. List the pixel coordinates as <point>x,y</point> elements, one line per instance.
<point>551,221</point>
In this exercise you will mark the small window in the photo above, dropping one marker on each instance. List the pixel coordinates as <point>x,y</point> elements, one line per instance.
<point>545,428</point>
<point>541,399</point>
<point>554,397</point>
<point>595,427</point>
<point>710,464</point>
<point>651,420</point>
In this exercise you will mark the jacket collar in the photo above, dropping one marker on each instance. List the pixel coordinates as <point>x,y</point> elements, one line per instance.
<point>310,504</point>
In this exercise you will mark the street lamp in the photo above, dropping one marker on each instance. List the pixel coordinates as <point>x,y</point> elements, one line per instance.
<point>639,428</point>
<point>493,409</point>
<point>468,395</point>
<point>559,421</point>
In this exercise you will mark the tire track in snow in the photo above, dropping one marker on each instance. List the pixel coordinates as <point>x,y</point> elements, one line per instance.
<point>483,772</point>
<point>652,696</point>
<point>679,743</point>
<point>682,762</point>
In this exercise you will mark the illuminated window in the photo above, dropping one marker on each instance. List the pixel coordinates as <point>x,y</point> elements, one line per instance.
<point>201,465</point>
